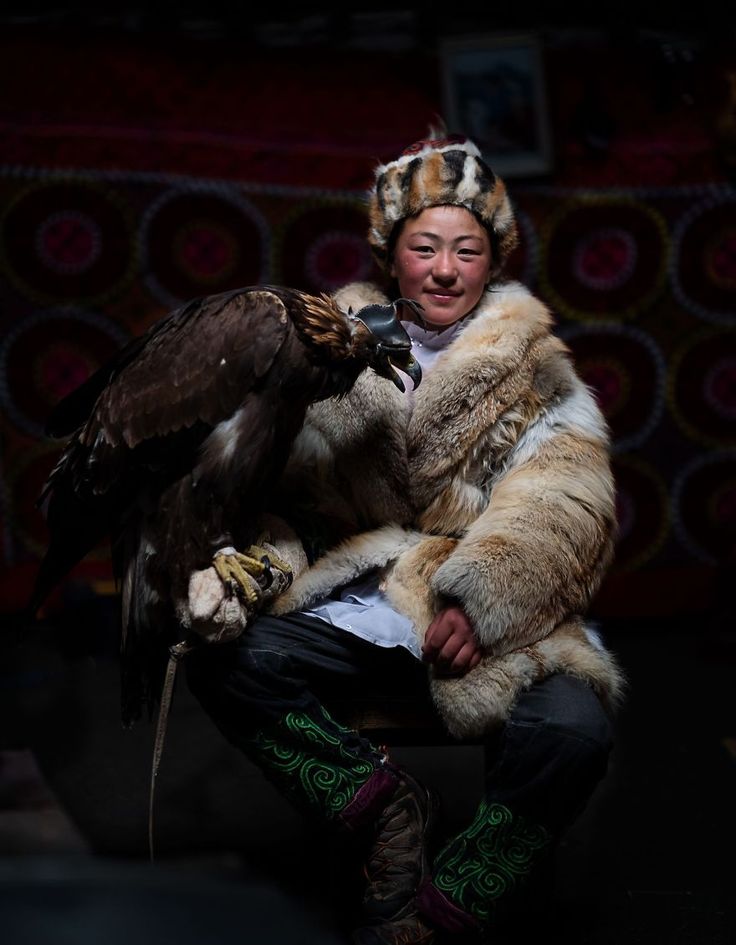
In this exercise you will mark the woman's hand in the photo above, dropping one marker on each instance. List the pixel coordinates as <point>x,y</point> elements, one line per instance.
<point>450,643</point>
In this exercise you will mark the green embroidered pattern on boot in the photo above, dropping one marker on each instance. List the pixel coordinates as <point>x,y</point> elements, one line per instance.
<point>310,763</point>
<point>490,859</point>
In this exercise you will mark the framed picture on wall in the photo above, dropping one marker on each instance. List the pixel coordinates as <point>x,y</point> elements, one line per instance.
<point>494,92</point>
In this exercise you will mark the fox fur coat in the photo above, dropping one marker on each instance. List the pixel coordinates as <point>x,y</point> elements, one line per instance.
<point>492,490</point>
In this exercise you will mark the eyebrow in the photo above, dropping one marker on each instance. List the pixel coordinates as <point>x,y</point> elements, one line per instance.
<point>436,236</point>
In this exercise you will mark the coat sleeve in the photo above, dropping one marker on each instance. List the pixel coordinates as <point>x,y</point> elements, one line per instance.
<point>539,550</point>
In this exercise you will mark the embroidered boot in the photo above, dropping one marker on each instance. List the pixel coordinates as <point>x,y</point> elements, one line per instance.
<point>398,864</point>
<point>483,871</point>
<point>330,771</point>
<point>407,928</point>
<point>325,769</point>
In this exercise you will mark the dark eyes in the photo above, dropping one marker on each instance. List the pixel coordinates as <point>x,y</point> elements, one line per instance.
<point>463,251</point>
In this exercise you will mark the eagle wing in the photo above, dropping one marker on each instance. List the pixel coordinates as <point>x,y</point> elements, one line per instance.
<point>194,366</point>
<point>140,420</point>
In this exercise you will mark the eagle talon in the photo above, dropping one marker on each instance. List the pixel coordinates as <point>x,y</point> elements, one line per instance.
<point>249,575</point>
<point>267,576</point>
<point>240,574</point>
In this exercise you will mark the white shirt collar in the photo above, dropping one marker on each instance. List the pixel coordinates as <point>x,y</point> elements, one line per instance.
<point>434,339</point>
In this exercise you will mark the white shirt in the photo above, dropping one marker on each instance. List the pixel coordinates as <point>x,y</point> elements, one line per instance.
<point>362,608</point>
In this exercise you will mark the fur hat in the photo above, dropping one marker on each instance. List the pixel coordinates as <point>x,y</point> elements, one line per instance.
<point>434,172</point>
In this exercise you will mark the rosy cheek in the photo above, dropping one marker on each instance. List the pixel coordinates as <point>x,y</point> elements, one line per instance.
<point>412,271</point>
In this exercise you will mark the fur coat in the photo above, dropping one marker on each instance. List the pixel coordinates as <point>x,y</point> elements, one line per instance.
<point>493,491</point>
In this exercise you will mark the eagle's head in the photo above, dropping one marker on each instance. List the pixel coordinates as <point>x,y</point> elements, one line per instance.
<point>371,337</point>
<point>385,342</point>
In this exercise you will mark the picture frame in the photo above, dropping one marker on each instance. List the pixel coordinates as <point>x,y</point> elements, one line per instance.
<point>494,92</point>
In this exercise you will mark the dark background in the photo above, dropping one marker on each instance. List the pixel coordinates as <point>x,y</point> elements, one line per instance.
<point>151,156</point>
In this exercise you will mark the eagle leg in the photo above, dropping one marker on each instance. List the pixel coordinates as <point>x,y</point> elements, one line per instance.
<point>240,572</point>
<point>268,554</point>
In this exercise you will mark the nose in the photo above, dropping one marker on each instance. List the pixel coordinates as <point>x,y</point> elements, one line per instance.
<point>444,269</point>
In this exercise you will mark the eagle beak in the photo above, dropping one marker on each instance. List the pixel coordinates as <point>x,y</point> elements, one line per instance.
<point>405,361</point>
<point>392,343</point>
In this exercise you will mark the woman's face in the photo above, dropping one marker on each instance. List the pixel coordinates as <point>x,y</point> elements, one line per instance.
<point>442,259</point>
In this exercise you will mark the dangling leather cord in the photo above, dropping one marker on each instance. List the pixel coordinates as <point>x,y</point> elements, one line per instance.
<point>176,654</point>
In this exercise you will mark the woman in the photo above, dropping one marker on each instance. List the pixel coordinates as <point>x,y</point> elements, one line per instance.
<point>464,528</point>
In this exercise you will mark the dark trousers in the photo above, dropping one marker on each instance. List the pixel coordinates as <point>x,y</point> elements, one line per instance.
<point>542,764</point>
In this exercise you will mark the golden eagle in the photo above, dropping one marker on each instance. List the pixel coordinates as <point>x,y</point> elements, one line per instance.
<point>176,444</point>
